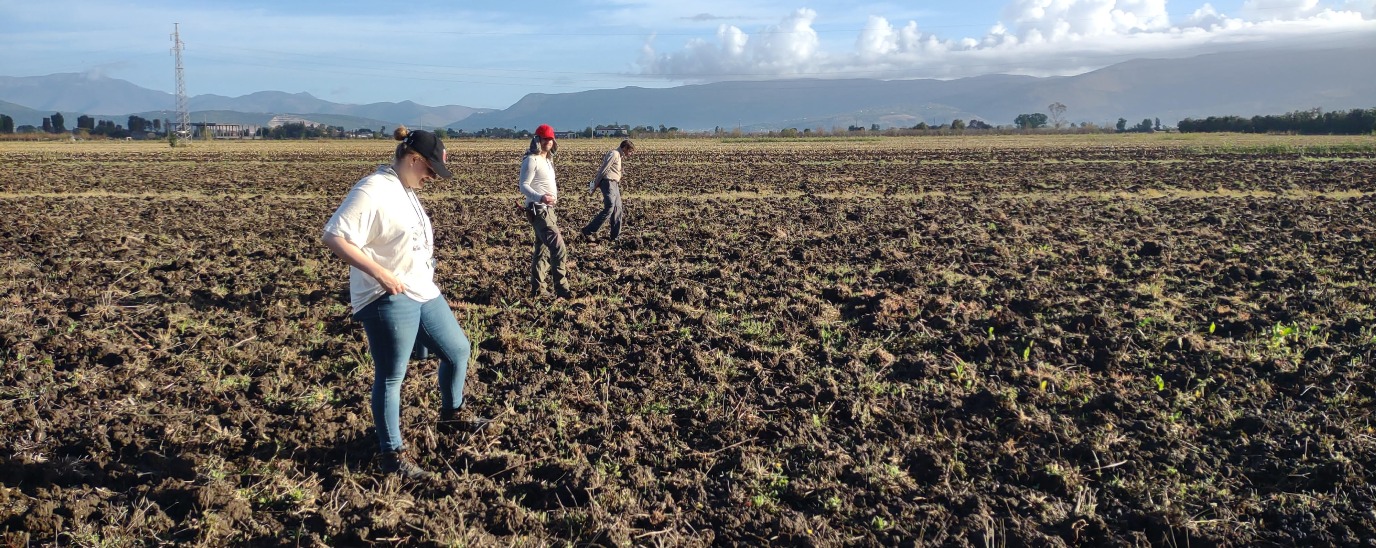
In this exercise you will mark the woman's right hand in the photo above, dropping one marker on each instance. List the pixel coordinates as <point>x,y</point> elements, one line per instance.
<point>356,258</point>
<point>390,283</point>
<point>547,199</point>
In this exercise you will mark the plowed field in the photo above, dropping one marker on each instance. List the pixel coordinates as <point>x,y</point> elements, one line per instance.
<point>957,341</point>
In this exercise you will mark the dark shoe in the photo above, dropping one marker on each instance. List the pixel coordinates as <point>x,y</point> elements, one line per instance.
<point>461,420</point>
<point>399,463</point>
<point>420,352</point>
<point>563,294</point>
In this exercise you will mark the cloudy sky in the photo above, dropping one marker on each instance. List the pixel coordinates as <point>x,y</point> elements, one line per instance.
<point>354,51</point>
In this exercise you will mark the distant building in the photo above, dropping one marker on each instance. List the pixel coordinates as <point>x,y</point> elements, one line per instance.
<point>284,119</point>
<point>567,134</point>
<point>611,131</point>
<point>223,131</point>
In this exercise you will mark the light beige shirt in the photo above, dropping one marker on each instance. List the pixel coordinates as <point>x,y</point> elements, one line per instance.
<point>611,169</point>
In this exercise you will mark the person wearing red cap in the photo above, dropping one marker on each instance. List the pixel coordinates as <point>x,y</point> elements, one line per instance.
<point>541,192</point>
<point>382,231</point>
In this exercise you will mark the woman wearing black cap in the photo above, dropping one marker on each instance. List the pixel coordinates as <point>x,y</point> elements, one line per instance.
<point>541,192</point>
<point>382,231</point>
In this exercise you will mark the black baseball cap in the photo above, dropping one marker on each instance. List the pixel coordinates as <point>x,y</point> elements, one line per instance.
<point>429,146</point>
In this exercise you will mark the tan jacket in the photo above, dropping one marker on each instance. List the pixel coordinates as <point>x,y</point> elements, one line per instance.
<point>610,170</point>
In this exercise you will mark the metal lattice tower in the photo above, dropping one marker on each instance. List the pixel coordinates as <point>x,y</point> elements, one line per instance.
<point>183,115</point>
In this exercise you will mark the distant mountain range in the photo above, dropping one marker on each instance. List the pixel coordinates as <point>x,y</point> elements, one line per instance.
<point>1236,83</point>
<point>113,99</point>
<point>1243,83</point>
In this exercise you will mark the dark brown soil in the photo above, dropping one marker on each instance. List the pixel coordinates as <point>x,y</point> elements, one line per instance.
<point>1035,347</point>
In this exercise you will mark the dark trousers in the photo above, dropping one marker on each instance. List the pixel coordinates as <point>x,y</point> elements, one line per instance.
<point>611,210</point>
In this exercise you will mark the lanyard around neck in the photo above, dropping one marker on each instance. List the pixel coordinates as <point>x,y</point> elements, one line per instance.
<point>416,207</point>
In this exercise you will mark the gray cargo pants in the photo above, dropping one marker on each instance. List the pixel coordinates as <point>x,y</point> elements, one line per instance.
<point>549,248</point>
<point>611,210</point>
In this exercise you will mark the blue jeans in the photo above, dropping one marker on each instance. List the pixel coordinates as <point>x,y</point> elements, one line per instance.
<point>394,324</point>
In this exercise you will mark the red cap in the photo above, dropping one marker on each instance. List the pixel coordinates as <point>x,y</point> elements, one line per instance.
<point>544,131</point>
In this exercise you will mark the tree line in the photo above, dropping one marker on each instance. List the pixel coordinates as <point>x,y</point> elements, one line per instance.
<point>137,125</point>
<point>299,130</point>
<point>1304,122</point>
<point>87,125</point>
<point>587,132</point>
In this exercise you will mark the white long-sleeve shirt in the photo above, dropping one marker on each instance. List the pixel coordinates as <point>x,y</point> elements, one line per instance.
<point>537,179</point>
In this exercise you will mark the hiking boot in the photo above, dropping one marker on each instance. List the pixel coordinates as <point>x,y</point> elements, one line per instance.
<point>399,463</point>
<point>461,420</point>
<point>563,294</point>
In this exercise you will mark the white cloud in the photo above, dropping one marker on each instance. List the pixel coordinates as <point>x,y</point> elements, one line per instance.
<point>790,43</point>
<point>1206,18</point>
<point>1279,10</point>
<point>1058,20</point>
<point>880,41</point>
<point>1038,37</point>
<point>787,48</point>
<point>1365,7</point>
<point>877,40</point>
